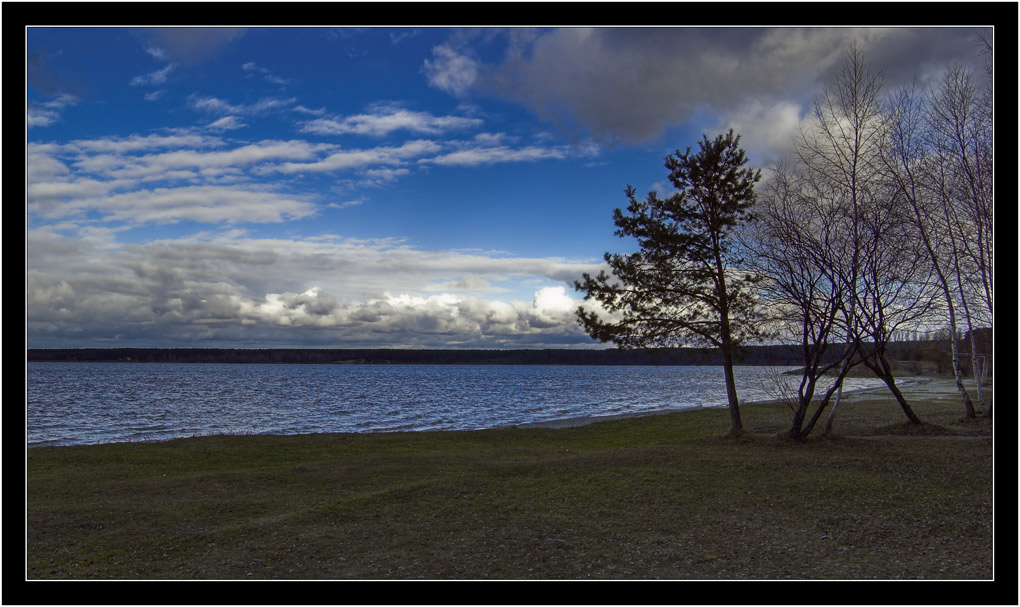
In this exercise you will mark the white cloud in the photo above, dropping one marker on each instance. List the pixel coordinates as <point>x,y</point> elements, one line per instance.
<point>362,158</point>
<point>268,76</point>
<point>451,70</point>
<point>49,112</point>
<point>43,166</point>
<point>346,204</point>
<point>767,128</point>
<point>387,121</point>
<point>136,143</point>
<point>499,154</point>
<point>304,110</point>
<point>153,78</point>
<point>217,285</point>
<point>226,123</point>
<point>214,105</point>
<point>206,203</point>
<point>119,158</point>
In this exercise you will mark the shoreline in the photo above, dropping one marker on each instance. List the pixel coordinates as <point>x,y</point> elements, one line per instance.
<point>938,386</point>
<point>574,422</point>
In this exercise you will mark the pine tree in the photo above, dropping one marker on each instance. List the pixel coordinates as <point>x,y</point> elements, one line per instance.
<point>684,286</point>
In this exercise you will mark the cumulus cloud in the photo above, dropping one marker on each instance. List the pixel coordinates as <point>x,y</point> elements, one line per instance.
<point>633,83</point>
<point>767,128</point>
<point>451,70</point>
<point>229,286</point>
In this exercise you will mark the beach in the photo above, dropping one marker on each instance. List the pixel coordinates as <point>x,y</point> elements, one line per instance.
<point>940,389</point>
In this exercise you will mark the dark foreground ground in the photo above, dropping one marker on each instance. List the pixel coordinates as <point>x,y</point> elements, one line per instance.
<point>658,497</point>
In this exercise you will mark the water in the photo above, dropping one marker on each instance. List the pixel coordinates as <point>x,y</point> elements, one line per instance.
<point>88,403</point>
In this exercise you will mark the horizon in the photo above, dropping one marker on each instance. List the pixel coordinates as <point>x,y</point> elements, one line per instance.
<point>381,188</point>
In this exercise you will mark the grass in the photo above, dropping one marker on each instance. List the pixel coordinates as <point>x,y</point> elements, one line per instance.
<point>659,497</point>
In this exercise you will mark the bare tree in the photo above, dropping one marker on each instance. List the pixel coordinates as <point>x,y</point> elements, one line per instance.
<point>842,150</point>
<point>791,238</point>
<point>960,132</point>
<point>908,157</point>
<point>896,290</point>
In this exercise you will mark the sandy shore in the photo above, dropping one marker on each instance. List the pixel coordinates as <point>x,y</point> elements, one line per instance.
<point>913,388</point>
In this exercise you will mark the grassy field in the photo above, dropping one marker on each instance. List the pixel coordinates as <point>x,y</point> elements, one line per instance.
<point>658,497</point>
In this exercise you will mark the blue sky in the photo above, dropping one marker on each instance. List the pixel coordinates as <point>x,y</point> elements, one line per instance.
<point>380,187</point>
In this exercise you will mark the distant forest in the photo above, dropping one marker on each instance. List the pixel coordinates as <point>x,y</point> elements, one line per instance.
<point>932,352</point>
<point>692,356</point>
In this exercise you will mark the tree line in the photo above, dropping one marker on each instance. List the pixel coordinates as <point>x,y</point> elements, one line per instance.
<point>879,224</point>
<point>759,355</point>
<point>917,356</point>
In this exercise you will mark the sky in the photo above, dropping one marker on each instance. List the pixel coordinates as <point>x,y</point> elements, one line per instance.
<point>381,187</point>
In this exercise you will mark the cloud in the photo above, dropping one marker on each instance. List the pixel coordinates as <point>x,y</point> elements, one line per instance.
<point>202,179</point>
<point>141,158</point>
<point>153,78</point>
<point>136,143</point>
<point>399,35</point>
<point>268,76</point>
<point>214,105</point>
<point>387,120</point>
<point>451,70</point>
<point>767,128</point>
<point>633,83</point>
<point>49,112</point>
<point>226,123</point>
<point>47,80</point>
<point>362,158</point>
<point>229,286</point>
<point>498,154</point>
<point>188,45</point>
<point>204,203</point>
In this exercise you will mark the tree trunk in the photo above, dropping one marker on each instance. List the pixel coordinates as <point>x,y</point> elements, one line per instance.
<point>882,370</point>
<point>827,430</point>
<point>968,406</point>
<point>731,390</point>
<point>843,370</point>
<point>976,369</point>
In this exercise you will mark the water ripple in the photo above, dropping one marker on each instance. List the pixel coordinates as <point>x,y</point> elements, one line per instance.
<point>86,403</point>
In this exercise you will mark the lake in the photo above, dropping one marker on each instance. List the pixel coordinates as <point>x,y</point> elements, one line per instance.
<point>88,403</point>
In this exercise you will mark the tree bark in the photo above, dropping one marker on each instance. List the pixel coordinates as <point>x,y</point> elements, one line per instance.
<point>881,369</point>
<point>731,389</point>
<point>968,405</point>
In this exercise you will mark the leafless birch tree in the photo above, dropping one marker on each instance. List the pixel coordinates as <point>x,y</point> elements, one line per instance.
<point>792,238</point>
<point>915,174</point>
<point>842,148</point>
